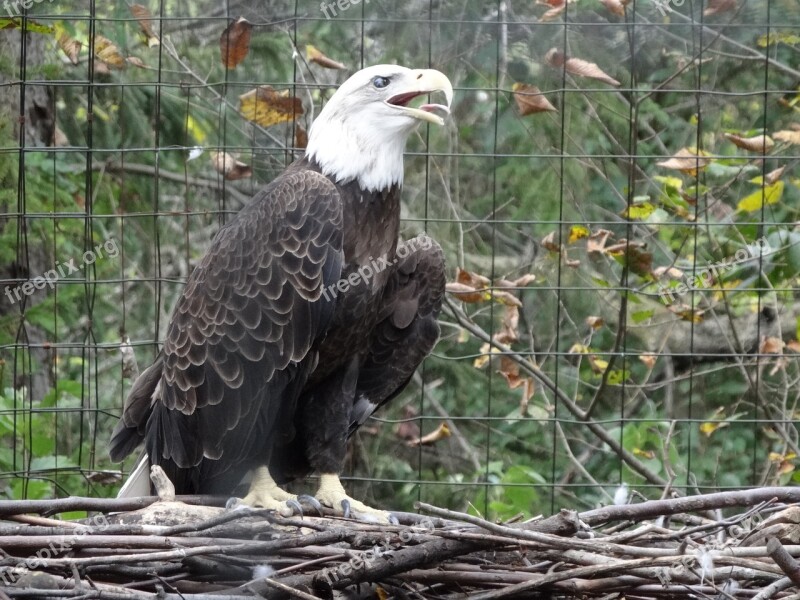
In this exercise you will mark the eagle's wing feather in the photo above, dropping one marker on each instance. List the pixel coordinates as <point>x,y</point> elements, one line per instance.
<point>407,330</point>
<point>238,343</point>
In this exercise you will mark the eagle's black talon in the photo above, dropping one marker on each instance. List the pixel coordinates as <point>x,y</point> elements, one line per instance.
<point>295,506</point>
<point>393,520</point>
<point>311,501</point>
<point>346,508</point>
<point>231,503</point>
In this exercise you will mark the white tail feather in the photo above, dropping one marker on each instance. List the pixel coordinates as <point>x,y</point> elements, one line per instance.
<point>138,482</point>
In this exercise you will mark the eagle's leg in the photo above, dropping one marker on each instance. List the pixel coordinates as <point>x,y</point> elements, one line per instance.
<point>400,341</point>
<point>265,493</point>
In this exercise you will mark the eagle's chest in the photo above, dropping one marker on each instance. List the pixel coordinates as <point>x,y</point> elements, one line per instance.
<point>371,226</point>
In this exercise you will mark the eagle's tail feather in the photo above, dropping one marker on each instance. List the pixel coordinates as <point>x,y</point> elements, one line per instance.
<point>138,482</point>
<point>129,432</point>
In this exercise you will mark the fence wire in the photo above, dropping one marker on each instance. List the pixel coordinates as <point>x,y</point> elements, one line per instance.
<point>618,187</point>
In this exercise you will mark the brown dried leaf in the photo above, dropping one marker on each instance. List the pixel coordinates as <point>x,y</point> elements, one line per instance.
<point>639,260</point>
<point>790,137</point>
<point>69,46</point>
<point>315,56</point>
<point>557,7</point>
<point>614,6</point>
<point>525,280</point>
<point>576,66</point>
<point>229,167</point>
<point>466,293</point>
<point>475,280</point>
<point>773,176</point>
<point>510,326</point>
<point>505,298</point>
<point>234,43</point>
<point>597,241</point>
<point>595,322</point>
<point>485,352</point>
<point>136,62</point>
<point>504,283</point>
<point>107,52</point>
<point>300,137</point>
<point>549,242</point>
<point>771,345</point>
<point>509,369</point>
<point>794,346</point>
<point>266,107</point>
<point>671,272</point>
<point>145,19</point>
<point>687,313</point>
<point>687,161</point>
<point>530,99</point>
<point>440,433</point>
<point>598,365</point>
<point>648,358</point>
<point>759,143</point>
<point>100,68</point>
<point>715,7</point>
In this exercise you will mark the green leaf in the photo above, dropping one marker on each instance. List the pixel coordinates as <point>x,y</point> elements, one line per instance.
<point>31,26</point>
<point>776,37</point>
<point>43,444</point>
<point>669,182</point>
<point>49,463</point>
<point>770,194</point>
<point>639,211</point>
<point>642,315</point>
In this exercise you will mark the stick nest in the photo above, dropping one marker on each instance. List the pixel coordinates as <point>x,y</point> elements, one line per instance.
<point>726,545</point>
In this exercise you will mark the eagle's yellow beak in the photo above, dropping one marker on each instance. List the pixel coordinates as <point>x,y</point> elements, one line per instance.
<point>421,82</point>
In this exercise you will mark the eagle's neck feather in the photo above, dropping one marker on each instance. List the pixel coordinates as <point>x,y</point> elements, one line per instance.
<point>370,155</point>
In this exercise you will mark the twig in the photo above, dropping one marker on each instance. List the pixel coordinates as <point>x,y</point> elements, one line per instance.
<point>77,503</point>
<point>285,588</point>
<point>597,429</point>
<point>471,453</point>
<point>142,169</point>
<point>784,560</point>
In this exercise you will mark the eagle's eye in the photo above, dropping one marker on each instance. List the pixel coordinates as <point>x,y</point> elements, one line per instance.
<point>380,82</point>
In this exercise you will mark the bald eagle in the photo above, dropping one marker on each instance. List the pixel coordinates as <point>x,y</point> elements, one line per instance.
<point>305,315</point>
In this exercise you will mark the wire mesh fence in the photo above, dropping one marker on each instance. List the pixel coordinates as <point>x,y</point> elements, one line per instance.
<point>616,191</point>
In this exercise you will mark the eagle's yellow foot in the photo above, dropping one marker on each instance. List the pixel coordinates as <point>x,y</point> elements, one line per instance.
<point>332,494</point>
<point>265,493</point>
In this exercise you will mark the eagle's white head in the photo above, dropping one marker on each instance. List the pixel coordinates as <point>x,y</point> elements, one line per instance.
<point>362,130</point>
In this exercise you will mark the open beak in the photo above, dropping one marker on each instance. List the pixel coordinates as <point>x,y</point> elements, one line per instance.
<point>424,81</point>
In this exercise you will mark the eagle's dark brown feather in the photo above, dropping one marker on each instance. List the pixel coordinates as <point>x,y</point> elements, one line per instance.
<point>240,335</point>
